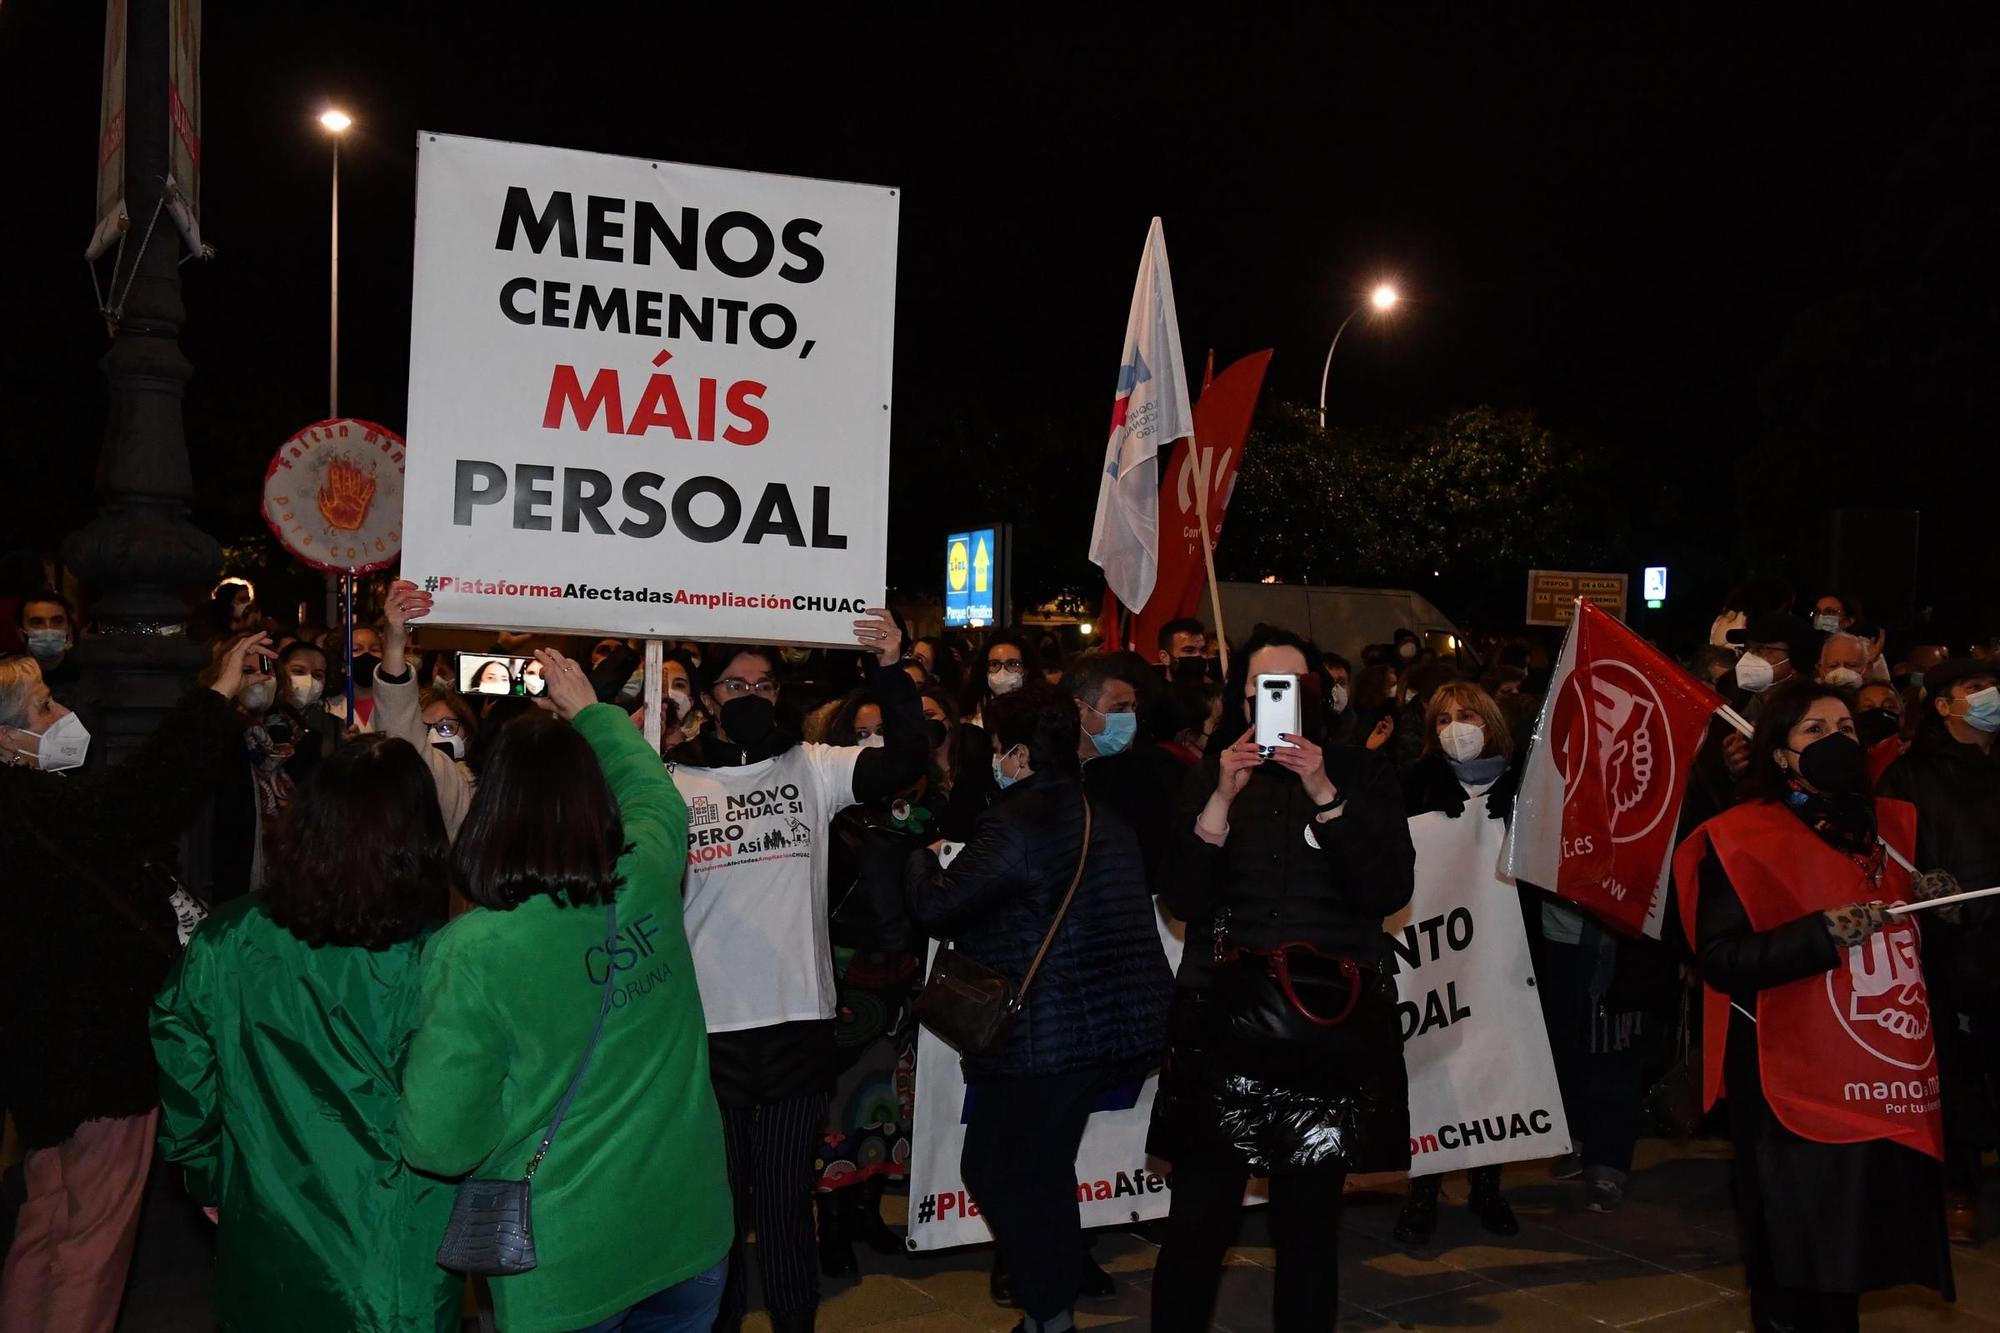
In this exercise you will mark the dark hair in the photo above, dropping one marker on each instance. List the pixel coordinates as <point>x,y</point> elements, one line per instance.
<point>944,661</point>
<point>1313,718</point>
<point>1849,605</point>
<point>1183,708</point>
<point>542,821</point>
<point>841,729</point>
<point>1089,674</point>
<point>360,860</point>
<point>452,701</point>
<point>1782,709</point>
<point>1371,689</point>
<point>1180,625</point>
<point>717,658</point>
<point>222,604</point>
<point>1427,679</point>
<point>43,595</point>
<point>1335,662</point>
<point>1042,718</point>
<point>976,693</point>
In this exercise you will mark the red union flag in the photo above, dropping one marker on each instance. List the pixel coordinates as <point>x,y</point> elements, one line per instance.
<point>1601,794</point>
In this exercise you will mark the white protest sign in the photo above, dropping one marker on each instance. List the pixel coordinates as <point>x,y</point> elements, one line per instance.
<point>1114,1181</point>
<point>647,398</point>
<point>1482,1082</point>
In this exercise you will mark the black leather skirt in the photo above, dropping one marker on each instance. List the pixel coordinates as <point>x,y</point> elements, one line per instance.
<point>1283,1108</point>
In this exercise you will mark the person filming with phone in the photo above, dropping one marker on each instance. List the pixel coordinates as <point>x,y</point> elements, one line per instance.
<point>1284,1054</point>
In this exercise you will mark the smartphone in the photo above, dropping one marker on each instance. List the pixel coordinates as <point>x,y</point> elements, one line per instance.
<point>498,673</point>
<point>265,663</point>
<point>1277,712</point>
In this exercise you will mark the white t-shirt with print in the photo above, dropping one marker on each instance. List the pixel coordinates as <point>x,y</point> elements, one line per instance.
<point>756,884</point>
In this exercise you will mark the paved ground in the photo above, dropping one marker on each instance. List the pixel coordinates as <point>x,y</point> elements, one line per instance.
<point>1665,1263</point>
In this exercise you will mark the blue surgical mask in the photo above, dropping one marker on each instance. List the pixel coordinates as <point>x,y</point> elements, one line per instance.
<point>46,645</point>
<point>1982,710</point>
<point>1000,778</point>
<point>1116,738</point>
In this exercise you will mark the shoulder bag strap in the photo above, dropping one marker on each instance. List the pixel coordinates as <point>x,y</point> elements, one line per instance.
<point>1082,859</point>
<point>604,1008</point>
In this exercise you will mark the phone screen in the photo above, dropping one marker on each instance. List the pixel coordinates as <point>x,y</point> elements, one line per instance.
<point>1277,712</point>
<point>498,673</point>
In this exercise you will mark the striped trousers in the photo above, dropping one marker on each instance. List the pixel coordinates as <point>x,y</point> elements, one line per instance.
<point>770,1148</point>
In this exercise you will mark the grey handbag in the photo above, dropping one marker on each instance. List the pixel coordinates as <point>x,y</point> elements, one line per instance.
<point>492,1228</point>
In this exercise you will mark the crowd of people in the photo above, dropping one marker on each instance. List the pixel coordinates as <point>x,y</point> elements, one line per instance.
<point>355,977</point>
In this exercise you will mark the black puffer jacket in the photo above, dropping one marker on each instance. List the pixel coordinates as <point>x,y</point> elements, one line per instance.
<point>1956,789</point>
<point>1330,884</point>
<point>1100,1000</point>
<point>89,935</point>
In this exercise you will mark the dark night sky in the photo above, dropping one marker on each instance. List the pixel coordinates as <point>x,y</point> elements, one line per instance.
<point>1615,221</point>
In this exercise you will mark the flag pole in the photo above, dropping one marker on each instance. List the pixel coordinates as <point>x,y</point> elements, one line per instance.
<point>1208,560</point>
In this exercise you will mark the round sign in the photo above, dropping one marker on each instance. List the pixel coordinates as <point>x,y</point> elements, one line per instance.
<point>1622,727</point>
<point>334,496</point>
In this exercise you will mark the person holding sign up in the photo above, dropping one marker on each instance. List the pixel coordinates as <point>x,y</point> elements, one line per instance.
<point>760,802</point>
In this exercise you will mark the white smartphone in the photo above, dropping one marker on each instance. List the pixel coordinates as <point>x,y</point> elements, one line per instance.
<point>1277,712</point>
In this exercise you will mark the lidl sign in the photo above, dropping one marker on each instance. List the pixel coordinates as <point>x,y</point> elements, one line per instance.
<point>973,568</point>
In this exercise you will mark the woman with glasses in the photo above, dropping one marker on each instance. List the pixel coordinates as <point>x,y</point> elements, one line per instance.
<point>760,804</point>
<point>1002,669</point>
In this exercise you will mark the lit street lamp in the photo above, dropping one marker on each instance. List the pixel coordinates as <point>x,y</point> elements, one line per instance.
<point>1382,300</point>
<point>336,123</point>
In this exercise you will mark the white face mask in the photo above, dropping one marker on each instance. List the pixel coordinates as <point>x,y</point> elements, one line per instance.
<point>1005,682</point>
<point>1843,678</point>
<point>1407,651</point>
<point>257,696</point>
<point>63,745</point>
<point>634,686</point>
<point>1826,622</point>
<point>304,691</point>
<point>1753,673</point>
<point>874,742</point>
<point>1463,741</point>
<point>453,745</point>
<point>679,701</point>
<point>1336,695</point>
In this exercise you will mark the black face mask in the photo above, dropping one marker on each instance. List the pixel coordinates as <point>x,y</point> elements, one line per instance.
<point>938,732</point>
<point>1835,764</point>
<point>362,670</point>
<point>749,721</point>
<point>1190,670</point>
<point>1877,725</point>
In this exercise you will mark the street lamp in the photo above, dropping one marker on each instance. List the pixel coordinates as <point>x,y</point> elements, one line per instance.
<point>336,123</point>
<point>1382,300</point>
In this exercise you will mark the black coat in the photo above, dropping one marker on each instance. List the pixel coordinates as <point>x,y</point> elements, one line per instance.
<point>1100,999</point>
<point>1142,787</point>
<point>1842,1217</point>
<point>90,935</point>
<point>1281,877</point>
<point>1329,885</point>
<point>1956,789</point>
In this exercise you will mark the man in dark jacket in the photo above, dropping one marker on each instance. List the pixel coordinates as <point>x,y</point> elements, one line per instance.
<point>1952,775</point>
<point>1096,1009</point>
<point>1123,770</point>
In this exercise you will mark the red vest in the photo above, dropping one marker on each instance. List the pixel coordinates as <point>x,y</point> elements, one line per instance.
<point>1847,1056</point>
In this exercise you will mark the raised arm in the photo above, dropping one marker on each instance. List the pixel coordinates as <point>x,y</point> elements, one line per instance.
<point>904,756</point>
<point>651,807</point>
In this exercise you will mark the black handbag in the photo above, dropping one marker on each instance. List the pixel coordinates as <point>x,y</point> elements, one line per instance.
<point>968,1004</point>
<point>492,1228</point>
<point>1295,993</point>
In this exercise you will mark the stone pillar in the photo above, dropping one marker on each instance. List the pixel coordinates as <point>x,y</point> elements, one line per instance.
<point>141,555</point>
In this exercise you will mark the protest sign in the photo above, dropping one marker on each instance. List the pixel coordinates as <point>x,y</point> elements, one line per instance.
<point>1482,1080</point>
<point>647,398</point>
<point>1115,1183</point>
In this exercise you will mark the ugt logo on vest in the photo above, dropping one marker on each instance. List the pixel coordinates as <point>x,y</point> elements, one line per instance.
<point>1880,998</point>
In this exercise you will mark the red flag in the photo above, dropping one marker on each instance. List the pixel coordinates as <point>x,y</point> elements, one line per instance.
<point>1602,790</point>
<point>1221,424</point>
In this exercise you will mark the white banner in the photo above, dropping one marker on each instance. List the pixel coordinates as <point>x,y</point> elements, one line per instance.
<point>647,398</point>
<point>1482,1082</point>
<point>1115,1184</point>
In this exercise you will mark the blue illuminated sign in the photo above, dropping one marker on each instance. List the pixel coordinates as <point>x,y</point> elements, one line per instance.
<point>971,574</point>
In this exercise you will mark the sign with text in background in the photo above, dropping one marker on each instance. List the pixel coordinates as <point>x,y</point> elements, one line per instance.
<point>1552,594</point>
<point>647,398</point>
<point>971,578</point>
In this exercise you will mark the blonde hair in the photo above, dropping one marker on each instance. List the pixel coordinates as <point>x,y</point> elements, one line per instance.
<point>1466,694</point>
<point>19,676</point>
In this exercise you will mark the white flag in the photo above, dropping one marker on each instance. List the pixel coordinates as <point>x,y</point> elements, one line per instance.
<point>1149,412</point>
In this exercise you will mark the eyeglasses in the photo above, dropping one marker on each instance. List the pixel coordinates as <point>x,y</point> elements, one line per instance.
<point>1013,668</point>
<point>734,687</point>
<point>446,728</point>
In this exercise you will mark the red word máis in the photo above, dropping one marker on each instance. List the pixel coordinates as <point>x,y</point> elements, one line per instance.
<point>658,405</point>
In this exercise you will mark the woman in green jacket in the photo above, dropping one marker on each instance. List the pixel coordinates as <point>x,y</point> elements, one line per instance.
<point>632,1217</point>
<point>280,1038</point>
